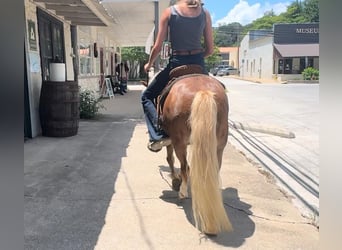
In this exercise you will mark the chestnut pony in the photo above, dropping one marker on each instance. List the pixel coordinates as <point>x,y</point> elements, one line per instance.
<point>195,113</point>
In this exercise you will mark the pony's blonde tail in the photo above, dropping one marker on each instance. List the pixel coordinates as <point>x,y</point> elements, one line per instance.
<point>207,204</point>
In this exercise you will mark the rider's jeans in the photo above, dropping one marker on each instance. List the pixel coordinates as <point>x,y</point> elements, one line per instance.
<point>155,88</point>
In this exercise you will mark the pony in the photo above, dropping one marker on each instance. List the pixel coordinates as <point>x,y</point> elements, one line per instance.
<point>194,113</point>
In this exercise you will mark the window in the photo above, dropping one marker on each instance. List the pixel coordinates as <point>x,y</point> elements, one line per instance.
<point>97,66</point>
<point>301,64</point>
<point>310,62</point>
<point>288,66</point>
<point>88,64</point>
<point>85,59</point>
<point>280,66</point>
<point>296,65</point>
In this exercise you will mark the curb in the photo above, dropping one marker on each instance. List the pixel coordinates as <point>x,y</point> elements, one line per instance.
<point>257,80</point>
<point>263,129</point>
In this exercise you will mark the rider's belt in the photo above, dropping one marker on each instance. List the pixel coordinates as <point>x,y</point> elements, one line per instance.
<point>186,52</point>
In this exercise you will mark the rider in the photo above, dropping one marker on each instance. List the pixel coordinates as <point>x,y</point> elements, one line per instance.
<point>187,22</point>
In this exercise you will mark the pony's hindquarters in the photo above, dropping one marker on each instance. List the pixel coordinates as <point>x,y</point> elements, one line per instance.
<point>207,204</point>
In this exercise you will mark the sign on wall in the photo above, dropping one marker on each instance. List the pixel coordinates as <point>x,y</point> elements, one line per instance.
<point>32,35</point>
<point>296,33</point>
<point>34,62</point>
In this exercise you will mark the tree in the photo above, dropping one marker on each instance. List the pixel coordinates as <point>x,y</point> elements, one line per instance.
<point>228,35</point>
<point>269,13</point>
<point>265,22</point>
<point>213,59</point>
<point>136,58</point>
<point>294,13</point>
<point>311,10</point>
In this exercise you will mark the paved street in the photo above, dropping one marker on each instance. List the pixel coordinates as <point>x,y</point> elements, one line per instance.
<point>269,112</point>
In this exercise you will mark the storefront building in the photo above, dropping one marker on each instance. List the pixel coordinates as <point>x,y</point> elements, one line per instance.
<point>296,47</point>
<point>229,56</point>
<point>84,39</point>
<point>282,53</point>
<point>55,37</point>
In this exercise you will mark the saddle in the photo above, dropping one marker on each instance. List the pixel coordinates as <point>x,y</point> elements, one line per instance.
<point>176,74</point>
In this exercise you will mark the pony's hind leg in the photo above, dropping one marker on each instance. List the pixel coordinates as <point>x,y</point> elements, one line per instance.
<point>171,160</point>
<point>181,151</point>
<point>183,190</point>
<point>176,181</point>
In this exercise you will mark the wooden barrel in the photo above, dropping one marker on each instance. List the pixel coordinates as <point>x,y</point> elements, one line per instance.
<point>59,108</point>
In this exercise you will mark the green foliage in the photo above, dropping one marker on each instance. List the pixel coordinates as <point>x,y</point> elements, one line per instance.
<point>133,53</point>
<point>89,104</point>
<point>310,74</point>
<point>265,22</point>
<point>213,60</point>
<point>311,10</point>
<point>228,35</point>
<point>294,13</point>
<point>137,58</point>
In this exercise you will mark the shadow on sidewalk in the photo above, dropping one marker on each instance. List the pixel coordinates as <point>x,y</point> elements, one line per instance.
<point>237,211</point>
<point>69,182</point>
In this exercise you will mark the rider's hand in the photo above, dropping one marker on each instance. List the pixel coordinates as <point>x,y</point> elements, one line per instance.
<point>147,67</point>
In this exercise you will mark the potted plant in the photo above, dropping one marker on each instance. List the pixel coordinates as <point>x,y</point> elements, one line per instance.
<point>310,73</point>
<point>89,104</point>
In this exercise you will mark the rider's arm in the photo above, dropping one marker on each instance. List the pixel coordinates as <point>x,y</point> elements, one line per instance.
<point>208,36</point>
<point>163,27</point>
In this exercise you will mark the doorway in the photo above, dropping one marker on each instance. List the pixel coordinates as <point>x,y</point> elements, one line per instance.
<point>51,41</point>
<point>288,66</point>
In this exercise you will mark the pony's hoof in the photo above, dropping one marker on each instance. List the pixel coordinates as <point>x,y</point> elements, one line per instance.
<point>176,184</point>
<point>183,192</point>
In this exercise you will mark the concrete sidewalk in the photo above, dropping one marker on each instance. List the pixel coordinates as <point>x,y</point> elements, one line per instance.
<point>102,189</point>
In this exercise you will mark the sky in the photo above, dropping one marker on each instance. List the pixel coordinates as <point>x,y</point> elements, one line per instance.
<point>242,11</point>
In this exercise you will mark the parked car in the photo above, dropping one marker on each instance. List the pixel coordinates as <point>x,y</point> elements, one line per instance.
<point>227,70</point>
<point>216,69</point>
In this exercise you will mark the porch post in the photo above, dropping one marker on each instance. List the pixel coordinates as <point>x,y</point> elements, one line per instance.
<point>156,25</point>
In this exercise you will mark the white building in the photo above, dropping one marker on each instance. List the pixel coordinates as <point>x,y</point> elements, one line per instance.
<point>255,55</point>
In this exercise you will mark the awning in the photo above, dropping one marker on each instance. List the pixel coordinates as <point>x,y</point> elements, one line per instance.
<point>133,20</point>
<point>78,12</point>
<point>297,50</point>
<point>127,22</point>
